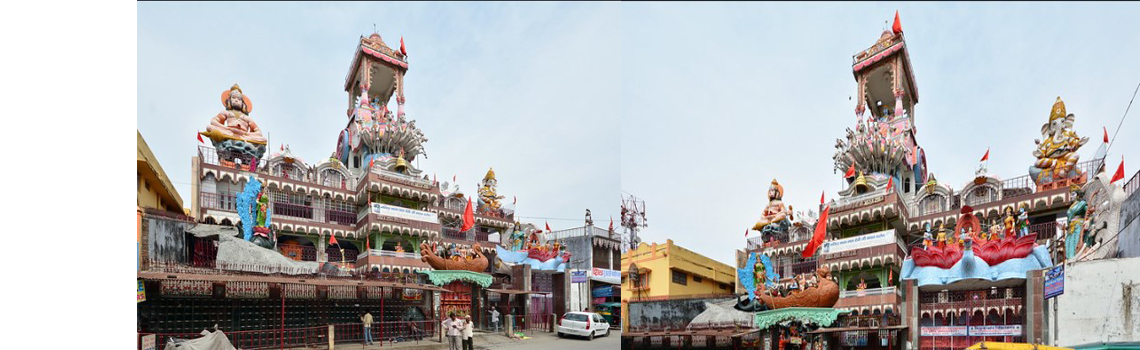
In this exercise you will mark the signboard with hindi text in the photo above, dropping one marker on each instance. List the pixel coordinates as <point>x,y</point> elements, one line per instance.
<point>1013,330</point>
<point>605,275</point>
<point>404,213</point>
<point>944,331</point>
<point>578,277</point>
<point>1054,281</point>
<point>861,241</point>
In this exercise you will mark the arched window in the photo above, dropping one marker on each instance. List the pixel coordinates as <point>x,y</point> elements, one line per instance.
<point>333,178</point>
<point>934,203</point>
<point>981,195</point>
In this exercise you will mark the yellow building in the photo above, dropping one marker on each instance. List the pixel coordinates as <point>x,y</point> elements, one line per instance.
<point>154,188</point>
<point>668,271</point>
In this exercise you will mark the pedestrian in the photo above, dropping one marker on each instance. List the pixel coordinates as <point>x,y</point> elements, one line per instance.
<point>468,333</point>
<point>366,319</point>
<point>454,329</point>
<point>495,319</point>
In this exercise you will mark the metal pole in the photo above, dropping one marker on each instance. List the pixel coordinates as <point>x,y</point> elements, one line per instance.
<point>382,318</point>
<point>282,319</point>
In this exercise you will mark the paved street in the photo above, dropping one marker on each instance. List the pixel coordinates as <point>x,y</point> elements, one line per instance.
<point>552,342</point>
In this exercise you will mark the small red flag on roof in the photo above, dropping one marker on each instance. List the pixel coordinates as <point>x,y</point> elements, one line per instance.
<point>1119,175</point>
<point>611,223</point>
<point>987,156</point>
<point>850,171</point>
<point>897,27</point>
<point>821,197</point>
<point>468,217</point>
<point>332,240</point>
<point>403,50</point>
<point>745,232</point>
<point>890,183</point>
<point>1105,135</point>
<point>200,138</point>
<point>548,227</point>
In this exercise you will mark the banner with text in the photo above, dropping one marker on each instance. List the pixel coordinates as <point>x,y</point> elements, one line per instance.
<point>862,241</point>
<point>578,277</point>
<point>944,331</point>
<point>404,213</point>
<point>995,331</point>
<point>605,275</point>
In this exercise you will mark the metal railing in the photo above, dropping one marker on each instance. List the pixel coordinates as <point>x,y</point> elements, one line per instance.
<point>240,161</point>
<point>850,202</point>
<point>1133,184</point>
<point>219,201</point>
<point>870,292</point>
<point>389,331</point>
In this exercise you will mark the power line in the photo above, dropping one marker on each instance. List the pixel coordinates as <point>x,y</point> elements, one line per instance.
<point>1122,120</point>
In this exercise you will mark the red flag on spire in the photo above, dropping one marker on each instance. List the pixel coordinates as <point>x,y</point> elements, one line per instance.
<point>987,156</point>
<point>820,233</point>
<point>1119,172</point>
<point>547,227</point>
<point>1105,134</point>
<point>403,50</point>
<point>745,233</point>
<point>611,223</point>
<point>453,180</point>
<point>200,138</point>
<point>282,147</point>
<point>821,197</point>
<point>468,217</point>
<point>850,171</point>
<point>516,199</point>
<point>890,183</point>
<point>371,162</point>
<point>332,240</point>
<point>897,27</point>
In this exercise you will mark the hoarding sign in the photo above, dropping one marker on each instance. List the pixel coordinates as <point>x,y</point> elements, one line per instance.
<point>142,293</point>
<point>997,331</point>
<point>604,291</point>
<point>578,277</point>
<point>861,241</point>
<point>1055,281</point>
<point>605,275</point>
<point>944,331</point>
<point>404,213</point>
<point>148,342</point>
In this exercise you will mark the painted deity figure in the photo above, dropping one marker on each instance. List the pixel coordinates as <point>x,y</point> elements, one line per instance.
<point>1076,216</point>
<point>775,217</point>
<point>760,277</point>
<point>399,248</point>
<point>1009,222</point>
<point>1057,153</point>
<point>942,235</point>
<point>232,129</point>
<point>927,237</point>
<point>1022,221</point>
<point>487,194</point>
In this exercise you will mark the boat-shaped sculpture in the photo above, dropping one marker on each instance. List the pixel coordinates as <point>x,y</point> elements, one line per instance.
<point>824,294</point>
<point>477,264</point>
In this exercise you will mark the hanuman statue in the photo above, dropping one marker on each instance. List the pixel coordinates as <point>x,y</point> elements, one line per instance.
<point>775,218</point>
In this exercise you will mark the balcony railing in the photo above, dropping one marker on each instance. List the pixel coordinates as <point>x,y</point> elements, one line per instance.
<point>454,233</point>
<point>870,292</point>
<point>859,200</point>
<point>219,201</point>
<point>388,253</point>
<point>1133,184</point>
<point>210,155</point>
<point>1010,189</point>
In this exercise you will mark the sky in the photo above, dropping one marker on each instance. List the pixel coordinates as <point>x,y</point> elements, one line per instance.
<point>719,99</point>
<point>531,90</point>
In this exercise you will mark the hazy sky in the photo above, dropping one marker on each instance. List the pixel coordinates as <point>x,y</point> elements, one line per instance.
<point>529,89</point>
<point>719,99</point>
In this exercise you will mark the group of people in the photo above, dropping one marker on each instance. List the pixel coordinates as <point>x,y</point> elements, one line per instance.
<point>459,330</point>
<point>799,283</point>
<point>453,252</point>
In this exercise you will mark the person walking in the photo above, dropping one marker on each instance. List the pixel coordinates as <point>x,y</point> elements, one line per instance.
<point>495,319</point>
<point>468,333</point>
<point>454,329</point>
<point>366,319</point>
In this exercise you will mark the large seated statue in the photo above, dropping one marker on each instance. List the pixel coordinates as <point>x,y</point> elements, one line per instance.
<point>775,218</point>
<point>232,131</point>
<point>487,193</point>
<point>1057,153</point>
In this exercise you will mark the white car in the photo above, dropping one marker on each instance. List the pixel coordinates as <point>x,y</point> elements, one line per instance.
<point>584,324</point>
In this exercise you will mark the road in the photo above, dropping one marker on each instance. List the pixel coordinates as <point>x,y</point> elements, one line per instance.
<point>612,341</point>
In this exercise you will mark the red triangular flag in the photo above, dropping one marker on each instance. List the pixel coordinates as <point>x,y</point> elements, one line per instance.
<point>611,223</point>
<point>820,234</point>
<point>1119,172</point>
<point>548,227</point>
<point>821,194</point>
<point>200,138</point>
<point>282,147</point>
<point>371,162</point>
<point>468,217</point>
<point>897,27</point>
<point>890,183</point>
<point>403,50</point>
<point>332,240</point>
<point>850,171</point>
<point>516,199</point>
<point>987,156</point>
<point>746,233</point>
<point>453,180</point>
<point>1105,134</point>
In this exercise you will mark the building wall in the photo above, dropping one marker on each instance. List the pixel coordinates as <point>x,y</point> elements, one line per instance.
<point>1101,303</point>
<point>661,260</point>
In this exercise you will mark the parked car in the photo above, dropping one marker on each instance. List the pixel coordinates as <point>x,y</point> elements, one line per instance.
<point>583,324</point>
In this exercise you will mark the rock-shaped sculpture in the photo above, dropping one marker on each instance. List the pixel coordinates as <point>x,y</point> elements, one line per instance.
<point>824,294</point>
<point>1057,152</point>
<point>234,134</point>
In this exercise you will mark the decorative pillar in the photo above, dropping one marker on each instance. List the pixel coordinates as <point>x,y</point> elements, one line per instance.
<point>321,255</point>
<point>860,99</point>
<point>400,94</point>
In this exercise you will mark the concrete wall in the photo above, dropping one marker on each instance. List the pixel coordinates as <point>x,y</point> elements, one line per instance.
<point>165,239</point>
<point>1129,239</point>
<point>674,314</point>
<point>1101,303</point>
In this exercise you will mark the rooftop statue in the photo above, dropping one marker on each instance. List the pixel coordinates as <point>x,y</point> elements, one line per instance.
<point>232,130</point>
<point>487,193</point>
<point>1057,154</point>
<point>776,217</point>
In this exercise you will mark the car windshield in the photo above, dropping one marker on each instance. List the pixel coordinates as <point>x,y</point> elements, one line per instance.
<point>575,317</point>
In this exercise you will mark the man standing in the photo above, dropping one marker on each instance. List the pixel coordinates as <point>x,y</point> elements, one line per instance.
<point>454,329</point>
<point>495,319</point>
<point>367,320</point>
<point>468,333</point>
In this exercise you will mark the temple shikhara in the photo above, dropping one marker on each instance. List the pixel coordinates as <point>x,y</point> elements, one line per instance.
<point>277,247</point>
<point>902,259</point>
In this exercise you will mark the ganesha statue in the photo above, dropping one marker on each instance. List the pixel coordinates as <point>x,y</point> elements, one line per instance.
<point>487,192</point>
<point>1057,153</point>
<point>775,218</point>
<point>232,131</point>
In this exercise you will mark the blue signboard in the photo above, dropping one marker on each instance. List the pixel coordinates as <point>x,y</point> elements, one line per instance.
<point>1055,281</point>
<point>601,292</point>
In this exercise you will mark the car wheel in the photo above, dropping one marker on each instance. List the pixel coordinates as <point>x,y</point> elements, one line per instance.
<point>560,334</point>
<point>592,335</point>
